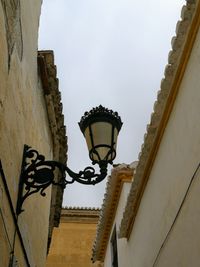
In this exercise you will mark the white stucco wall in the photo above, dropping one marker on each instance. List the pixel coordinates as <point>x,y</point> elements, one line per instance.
<point>166,230</point>
<point>121,243</point>
<point>174,166</point>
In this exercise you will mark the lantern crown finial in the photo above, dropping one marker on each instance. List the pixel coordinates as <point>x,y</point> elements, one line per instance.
<point>100,113</point>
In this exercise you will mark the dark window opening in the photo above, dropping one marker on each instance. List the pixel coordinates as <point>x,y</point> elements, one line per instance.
<point>114,248</point>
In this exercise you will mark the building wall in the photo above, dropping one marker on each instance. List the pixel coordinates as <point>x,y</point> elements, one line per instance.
<point>115,198</point>
<point>72,240</point>
<point>166,235</point>
<point>23,120</point>
<point>121,243</point>
<point>165,231</point>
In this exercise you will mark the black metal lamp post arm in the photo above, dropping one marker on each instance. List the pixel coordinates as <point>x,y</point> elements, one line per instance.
<point>87,176</point>
<point>37,174</point>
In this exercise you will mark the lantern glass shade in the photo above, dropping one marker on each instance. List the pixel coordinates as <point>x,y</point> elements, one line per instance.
<point>101,139</point>
<point>100,128</point>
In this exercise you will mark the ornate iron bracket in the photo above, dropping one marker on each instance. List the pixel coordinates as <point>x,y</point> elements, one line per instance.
<point>37,174</point>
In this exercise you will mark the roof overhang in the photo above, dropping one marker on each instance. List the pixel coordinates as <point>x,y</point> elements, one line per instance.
<point>52,95</point>
<point>119,175</point>
<point>182,45</point>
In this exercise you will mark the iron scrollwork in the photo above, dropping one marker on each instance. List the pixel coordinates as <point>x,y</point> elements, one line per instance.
<point>37,174</point>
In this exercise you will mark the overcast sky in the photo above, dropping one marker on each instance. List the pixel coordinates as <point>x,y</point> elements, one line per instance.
<point>113,53</point>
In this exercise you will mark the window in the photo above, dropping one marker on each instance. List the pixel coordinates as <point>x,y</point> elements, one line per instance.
<point>13,261</point>
<point>114,255</point>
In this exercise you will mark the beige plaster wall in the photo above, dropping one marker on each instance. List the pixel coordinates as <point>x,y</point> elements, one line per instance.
<point>72,244</point>
<point>23,120</point>
<point>165,232</point>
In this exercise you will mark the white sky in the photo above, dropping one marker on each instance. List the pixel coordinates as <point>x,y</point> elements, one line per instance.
<point>109,52</point>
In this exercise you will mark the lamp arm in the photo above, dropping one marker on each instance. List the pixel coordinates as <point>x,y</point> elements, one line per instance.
<point>87,176</point>
<point>37,174</point>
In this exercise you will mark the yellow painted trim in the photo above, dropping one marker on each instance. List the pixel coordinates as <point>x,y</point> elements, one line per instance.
<point>168,109</point>
<point>123,176</point>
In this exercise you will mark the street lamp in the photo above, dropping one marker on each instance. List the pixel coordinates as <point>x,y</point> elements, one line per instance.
<point>100,127</point>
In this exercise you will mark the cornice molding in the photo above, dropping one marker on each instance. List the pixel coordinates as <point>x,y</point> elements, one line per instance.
<point>182,44</point>
<point>52,95</point>
<point>120,174</point>
<point>80,215</point>
<point>80,208</point>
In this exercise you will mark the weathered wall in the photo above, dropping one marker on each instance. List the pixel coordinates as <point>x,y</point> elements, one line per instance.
<point>72,241</point>
<point>23,120</point>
